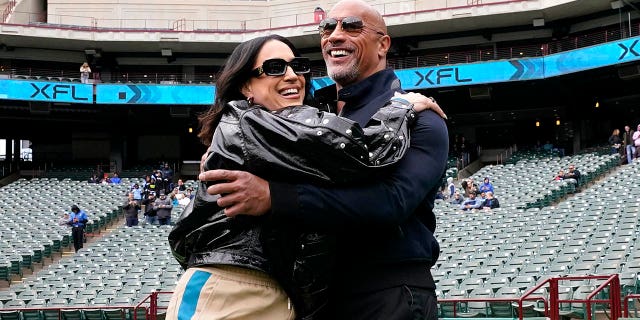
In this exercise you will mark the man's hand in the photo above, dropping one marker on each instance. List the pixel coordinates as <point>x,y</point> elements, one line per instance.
<point>241,192</point>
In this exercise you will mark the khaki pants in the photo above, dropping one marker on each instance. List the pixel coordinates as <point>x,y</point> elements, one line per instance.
<point>228,292</point>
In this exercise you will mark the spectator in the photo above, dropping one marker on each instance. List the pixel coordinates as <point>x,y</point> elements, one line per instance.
<point>78,220</point>
<point>451,188</point>
<point>137,193</point>
<point>615,141</point>
<point>559,176</point>
<point>181,186</point>
<point>627,142</point>
<point>167,173</point>
<point>573,175</point>
<point>163,207</point>
<point>457,198</point>
<point>490,202</point>
<point>182,199</point>
<point>486,186</point>
<point>116,178</point>
<point>94,178</point>
<point>636,142</point>
<point>131,209</point>
<point>471,203</point>
<point>85,70</point>
<point>150,211</point>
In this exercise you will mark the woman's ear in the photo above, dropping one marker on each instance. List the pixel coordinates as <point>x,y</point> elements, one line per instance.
<point>246,91</point>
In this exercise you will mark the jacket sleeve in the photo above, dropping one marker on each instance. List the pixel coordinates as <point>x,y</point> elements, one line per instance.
<point>388,200</point>
<point>306,144</point>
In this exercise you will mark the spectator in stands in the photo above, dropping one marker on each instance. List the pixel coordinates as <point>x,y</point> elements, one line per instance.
<point>167,173</point>
<point>572,175</point>
<point>490,202</point>
<point>235,82</point>
<point>115,179</point>
<point>78,220</point>
<point>181,186</point>
<point>451,188</point>
<point>149,185</point>
<point>64,220</point>
<point>163,207</point>
<point>615,141</point>
<point>189,193</point>
<point>559,176</point>
<point>457,198</point>
<point>131,209</point>
<point>162,184</point>
<point>94,178</point>
<point>440,194</point>
<point>627,142</point>
<point>105,180</point>
<point>137,193</point>
<point>85,70</point>
<point>486,185</point>
<point>636,142</point>
<point>182,199</point>
<point>471,203</point>
<point>150,211</point>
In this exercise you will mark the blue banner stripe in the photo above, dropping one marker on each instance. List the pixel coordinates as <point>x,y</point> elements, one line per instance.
<point>192,294</point>
<point>597,56</point>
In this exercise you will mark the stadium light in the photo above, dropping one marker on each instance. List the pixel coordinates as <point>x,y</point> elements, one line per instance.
<point>166,52</point>
<point>538,22</point>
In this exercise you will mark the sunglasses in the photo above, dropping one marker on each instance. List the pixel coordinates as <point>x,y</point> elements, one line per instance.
<point>352,25</point>
<point>278,67</point>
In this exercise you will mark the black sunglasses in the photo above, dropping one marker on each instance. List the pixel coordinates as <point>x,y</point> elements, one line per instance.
<point>353,25</point>
<point>278,67</point>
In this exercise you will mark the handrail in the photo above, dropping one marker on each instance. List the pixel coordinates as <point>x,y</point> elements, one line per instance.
<point>626,302</point>
<point>552,310</point>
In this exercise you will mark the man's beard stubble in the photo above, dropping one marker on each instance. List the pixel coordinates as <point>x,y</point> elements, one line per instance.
<point>344,75</point>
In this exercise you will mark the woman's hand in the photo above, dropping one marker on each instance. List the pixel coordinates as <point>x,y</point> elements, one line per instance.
<point>421,103</point>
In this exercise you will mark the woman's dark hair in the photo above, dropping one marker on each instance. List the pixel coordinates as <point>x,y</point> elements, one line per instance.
<point>234,74</point>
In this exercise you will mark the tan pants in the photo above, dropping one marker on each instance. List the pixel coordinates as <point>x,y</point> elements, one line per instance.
<point>227,292</point>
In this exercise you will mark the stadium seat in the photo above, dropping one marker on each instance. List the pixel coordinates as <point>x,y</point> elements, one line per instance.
<point>12,314</point>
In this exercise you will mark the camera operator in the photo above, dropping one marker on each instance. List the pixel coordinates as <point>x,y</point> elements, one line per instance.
<point>131,209</point>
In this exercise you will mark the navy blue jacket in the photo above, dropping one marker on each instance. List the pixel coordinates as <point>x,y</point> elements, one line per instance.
<point>385,226</point>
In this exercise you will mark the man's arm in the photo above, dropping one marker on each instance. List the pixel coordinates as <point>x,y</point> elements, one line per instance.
<point>389,200</point>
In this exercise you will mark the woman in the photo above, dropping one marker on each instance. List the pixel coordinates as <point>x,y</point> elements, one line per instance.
<point>258,123</point>
<point>615,141</point>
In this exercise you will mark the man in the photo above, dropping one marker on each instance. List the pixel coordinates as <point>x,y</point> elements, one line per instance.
<point>131,208</point>
<point>385,227</point>
<point>627,141</point>
<point>572,175</point>
<point>163,208</point>
<point>77,220</point>
<point>471,203</point>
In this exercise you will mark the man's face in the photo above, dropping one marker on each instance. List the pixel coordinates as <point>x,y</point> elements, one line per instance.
<point>354,54</point>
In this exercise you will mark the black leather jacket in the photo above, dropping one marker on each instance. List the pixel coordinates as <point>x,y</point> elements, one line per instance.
<point>294,144</point>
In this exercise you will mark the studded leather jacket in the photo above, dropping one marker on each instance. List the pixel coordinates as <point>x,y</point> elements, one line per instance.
<point>294,144</point>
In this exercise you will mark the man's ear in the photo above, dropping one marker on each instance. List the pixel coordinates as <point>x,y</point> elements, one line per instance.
<point>385,44</point>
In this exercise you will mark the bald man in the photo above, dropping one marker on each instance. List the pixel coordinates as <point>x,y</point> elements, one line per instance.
<point>385,227</point>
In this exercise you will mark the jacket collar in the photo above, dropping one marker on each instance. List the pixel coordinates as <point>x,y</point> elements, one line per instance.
<point>370,93</point>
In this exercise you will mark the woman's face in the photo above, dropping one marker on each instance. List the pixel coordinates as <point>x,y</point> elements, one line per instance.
<point>275,92</point>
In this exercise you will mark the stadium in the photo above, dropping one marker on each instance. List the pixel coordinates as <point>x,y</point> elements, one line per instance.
<point>511,75</point>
